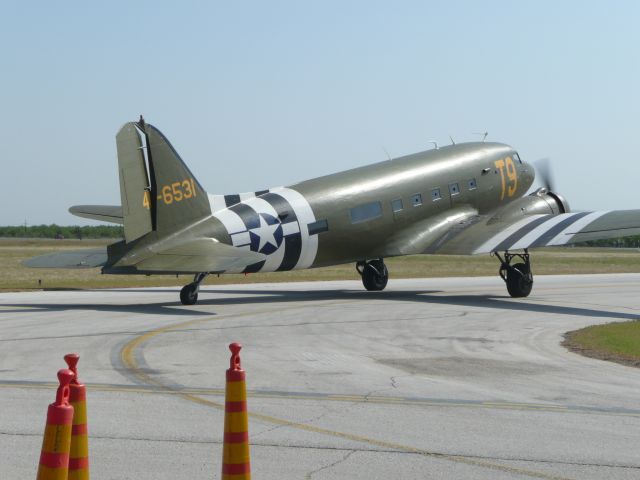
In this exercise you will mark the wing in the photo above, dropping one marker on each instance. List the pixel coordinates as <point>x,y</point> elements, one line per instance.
<point>480,234</point>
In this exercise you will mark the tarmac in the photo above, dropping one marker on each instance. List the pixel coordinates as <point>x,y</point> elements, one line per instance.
<point>432,378</point>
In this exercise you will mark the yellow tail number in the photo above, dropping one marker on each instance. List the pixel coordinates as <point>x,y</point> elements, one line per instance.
<point>176,192</point>
<point>508,175</point>
<point>146,200</point>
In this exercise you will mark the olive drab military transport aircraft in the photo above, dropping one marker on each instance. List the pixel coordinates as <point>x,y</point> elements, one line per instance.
<point>466,198</point>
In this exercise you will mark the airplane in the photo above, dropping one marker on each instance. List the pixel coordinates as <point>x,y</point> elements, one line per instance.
<point>464,198</point>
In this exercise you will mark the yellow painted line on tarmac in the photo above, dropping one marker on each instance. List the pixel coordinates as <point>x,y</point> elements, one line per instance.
<point>528,406</point>
<point>35,386</point>
<point>418,402</point>
<point>127,355</point>
<point>346,398</point>
<point>128,359</point>
<point>19,307</point>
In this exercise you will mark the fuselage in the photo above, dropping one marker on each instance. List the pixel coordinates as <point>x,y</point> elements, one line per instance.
<point>364,213</point>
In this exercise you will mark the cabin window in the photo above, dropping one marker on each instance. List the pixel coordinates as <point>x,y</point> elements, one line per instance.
<point>435,194</point>
<point>365,212</point>
<point>454,188</point>
<point>472,184</point>
<point>416,199</point>
<point>516,157</point>
<point>318,226</point>
<point>396,205</point>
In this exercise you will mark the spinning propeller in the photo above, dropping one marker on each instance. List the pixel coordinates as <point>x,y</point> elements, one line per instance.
<point>543,168</point>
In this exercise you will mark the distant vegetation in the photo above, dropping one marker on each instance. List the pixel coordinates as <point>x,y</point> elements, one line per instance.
<point>626,242</point>
<point>116,231</point>
<point>57,231</point>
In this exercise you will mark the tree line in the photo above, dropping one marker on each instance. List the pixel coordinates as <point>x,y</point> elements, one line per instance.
<point>116,231</point>
<point>625,242</point>
<point>61,232</point>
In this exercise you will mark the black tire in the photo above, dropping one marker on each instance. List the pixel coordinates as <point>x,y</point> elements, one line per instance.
<point>519,280</point>
<point>189,294</point>
<point>375,276</point>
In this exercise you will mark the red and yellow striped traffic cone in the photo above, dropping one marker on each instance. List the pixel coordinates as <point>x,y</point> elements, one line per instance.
<point>54,459</point>
<point>79,454</point>
<point>235,449</point>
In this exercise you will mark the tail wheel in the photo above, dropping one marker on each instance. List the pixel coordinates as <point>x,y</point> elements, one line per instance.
<point>189,293</point>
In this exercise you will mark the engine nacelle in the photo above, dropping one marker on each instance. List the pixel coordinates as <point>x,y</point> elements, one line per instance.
<point>542,201</point>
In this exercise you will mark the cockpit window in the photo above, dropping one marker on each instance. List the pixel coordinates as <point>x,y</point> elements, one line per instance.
<point>516,157</point>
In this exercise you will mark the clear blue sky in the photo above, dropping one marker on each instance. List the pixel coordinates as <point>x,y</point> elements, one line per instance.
<point>260,94</point>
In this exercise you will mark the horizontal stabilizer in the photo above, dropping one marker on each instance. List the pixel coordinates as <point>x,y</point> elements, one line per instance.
<point>201,255</point>
<point>88,258</point>
<point>104,213</point>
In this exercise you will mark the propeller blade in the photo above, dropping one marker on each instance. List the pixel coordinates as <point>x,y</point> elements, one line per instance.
<point>543,168</point>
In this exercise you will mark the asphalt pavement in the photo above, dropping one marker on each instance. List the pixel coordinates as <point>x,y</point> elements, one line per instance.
<point>432,378</point>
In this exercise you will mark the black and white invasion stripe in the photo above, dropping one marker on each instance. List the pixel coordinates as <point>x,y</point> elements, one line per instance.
<point>218,202</point>
<point>539,231</point>
<point>284,207</point>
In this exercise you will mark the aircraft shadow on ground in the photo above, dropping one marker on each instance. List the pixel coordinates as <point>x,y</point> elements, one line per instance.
<point>422,296</point>
<point>258,297</point>
<point>147,308</point>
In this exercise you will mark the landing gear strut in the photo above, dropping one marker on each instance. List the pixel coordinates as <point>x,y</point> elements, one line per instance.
<point>518,277</point>
<point>189,293</point>
<point>374,274</point>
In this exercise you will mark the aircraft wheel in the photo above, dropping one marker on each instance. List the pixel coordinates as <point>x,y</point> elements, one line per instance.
<point>519,280</point>
<point>189,294</point>
<point>375,275</point>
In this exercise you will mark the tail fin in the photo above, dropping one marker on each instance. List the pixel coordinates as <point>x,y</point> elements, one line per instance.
<point>160,192</point>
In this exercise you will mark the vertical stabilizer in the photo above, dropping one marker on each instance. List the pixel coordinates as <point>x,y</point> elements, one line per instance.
<point>134,183</point>
<point>158,191</point>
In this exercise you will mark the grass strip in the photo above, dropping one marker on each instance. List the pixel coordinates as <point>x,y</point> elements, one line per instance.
<point>616,342</point>
<point>551,261</point>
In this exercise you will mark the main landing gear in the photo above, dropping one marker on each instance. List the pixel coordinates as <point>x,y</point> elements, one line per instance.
<point>189,293</point>
<point>518,277</point>
<point>374,274</point>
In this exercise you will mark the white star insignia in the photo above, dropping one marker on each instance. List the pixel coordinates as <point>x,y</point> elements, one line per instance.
<point>266,233</point>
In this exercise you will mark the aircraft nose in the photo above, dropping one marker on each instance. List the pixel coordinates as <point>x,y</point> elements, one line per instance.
<point>528,174</point>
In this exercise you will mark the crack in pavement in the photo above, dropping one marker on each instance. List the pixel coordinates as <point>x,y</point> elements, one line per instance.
<point>305,422</point>
<point>326,467</point>
<point>343,449</point>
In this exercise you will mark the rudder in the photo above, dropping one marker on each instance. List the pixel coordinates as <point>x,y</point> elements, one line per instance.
<point>176,197</point>
<point>134,183</point>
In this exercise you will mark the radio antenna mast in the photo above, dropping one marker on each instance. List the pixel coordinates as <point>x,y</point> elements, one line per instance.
<point>484,135</point>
